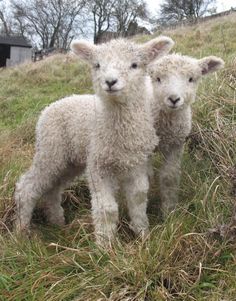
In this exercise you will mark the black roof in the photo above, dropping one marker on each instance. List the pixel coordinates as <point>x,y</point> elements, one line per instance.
<point>14,41</point>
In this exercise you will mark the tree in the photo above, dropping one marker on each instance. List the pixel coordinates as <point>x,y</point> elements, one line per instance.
<point>50,22</point>
<point>5,20</point>
<point>102,16</point>
<point>54,23</point>
<point>115,16</point>
<point>175,10</point>
<point>126,14</point>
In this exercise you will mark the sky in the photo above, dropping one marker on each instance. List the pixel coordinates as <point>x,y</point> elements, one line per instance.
<point>222,5</point>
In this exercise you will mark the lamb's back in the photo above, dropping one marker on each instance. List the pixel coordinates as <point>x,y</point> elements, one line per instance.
<point>67,123</point>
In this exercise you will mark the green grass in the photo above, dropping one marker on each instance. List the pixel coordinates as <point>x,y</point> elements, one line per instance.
<point>182,259</point>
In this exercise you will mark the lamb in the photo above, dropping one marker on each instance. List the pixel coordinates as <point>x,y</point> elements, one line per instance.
<point>109,135</point>
<point>175,80</point>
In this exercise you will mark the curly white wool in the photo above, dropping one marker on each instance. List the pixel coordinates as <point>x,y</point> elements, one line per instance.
<point>175,80</point>
<point>111,135</point>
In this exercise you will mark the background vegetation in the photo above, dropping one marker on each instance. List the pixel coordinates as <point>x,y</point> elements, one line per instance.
<point>190,256</point>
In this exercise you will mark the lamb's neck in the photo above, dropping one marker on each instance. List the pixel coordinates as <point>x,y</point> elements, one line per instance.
<point>124,134</point>
<point>125,107</point>
<point>176,114</point>
<point>121,120</point>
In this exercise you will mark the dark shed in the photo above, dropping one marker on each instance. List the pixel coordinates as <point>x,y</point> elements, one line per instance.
<point>14,50</point>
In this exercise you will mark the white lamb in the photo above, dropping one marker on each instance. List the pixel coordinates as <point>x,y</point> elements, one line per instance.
<point>110,134</point>
<point>175,80</point>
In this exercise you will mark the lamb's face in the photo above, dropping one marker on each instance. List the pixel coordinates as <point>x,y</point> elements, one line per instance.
<point>175,79</point>
<point>119,66</point>
<point>117,69</point>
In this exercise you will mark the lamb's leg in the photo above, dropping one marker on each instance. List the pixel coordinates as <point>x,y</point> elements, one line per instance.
<point>52,206</point>
<point>43,175</point>
<point>169,179</point>
<point>52,199</point>
<point>136,189</point>
<point>104,208</point>
<point>31,186</point>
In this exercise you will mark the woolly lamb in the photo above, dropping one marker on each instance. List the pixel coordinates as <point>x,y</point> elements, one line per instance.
<point>110,134</point>
<point>175,80</point>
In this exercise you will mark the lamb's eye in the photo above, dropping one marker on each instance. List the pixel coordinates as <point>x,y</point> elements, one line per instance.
<point>97,66</point>
<point>134,66</point>
<point>158,79</point>
<point>190,80</point>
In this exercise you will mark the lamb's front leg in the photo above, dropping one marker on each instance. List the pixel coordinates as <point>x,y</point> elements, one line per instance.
<point>104,208</point>
<point>136,188</point>
<point>169,178</point>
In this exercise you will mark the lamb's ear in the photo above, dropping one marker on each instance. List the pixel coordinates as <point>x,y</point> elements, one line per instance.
<point>156,48</point>
<point>210,64</point>
<point>83,49</point>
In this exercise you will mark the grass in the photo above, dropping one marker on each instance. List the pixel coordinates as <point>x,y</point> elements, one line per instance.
<point>182,259</point>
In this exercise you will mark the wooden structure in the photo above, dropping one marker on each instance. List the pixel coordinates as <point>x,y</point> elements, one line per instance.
<point>14,51</point>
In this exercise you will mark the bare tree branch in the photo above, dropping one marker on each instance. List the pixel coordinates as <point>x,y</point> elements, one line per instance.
<point>49,21</point>
<point>174,10</point>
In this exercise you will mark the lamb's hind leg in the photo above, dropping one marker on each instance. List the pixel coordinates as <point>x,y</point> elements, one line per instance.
<point>31,186</point>
<point>169,179</point>
<point>44,173</point>
<point>53,198</point>
<point>52,206</point>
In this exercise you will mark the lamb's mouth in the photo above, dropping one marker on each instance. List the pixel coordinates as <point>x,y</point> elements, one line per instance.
<point>113,91</point>
<point>173,107</point>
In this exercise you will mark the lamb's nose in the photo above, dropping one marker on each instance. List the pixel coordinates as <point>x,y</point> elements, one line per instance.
<point>111,83</point>
<point>174,99</point>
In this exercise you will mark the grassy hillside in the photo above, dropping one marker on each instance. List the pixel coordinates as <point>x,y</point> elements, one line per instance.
<point>188,257</point>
